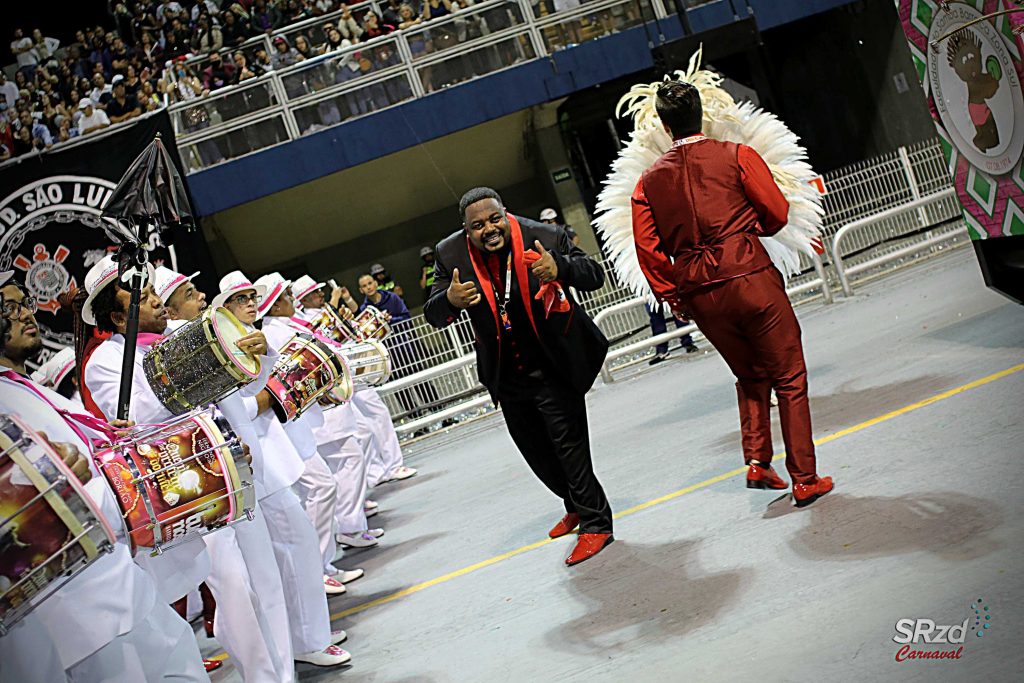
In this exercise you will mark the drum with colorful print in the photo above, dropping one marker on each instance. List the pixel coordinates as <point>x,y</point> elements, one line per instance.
<point>331,325</point>
<point>177,480</point>
<point>306,370</point>
<point>371,324</point>
<point>50,529</point>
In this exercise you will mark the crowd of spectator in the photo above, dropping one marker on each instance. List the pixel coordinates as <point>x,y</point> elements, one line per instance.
<point>137,62</point>
<point>152,53</point>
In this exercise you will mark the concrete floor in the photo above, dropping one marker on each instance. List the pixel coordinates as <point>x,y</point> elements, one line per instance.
<point>720,583</point>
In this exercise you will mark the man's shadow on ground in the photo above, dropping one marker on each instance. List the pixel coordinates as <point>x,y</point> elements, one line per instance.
<point>655,593</point>
<point>951,525</point>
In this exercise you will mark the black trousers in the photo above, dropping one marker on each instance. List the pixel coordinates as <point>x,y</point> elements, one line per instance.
<point>548,424</point>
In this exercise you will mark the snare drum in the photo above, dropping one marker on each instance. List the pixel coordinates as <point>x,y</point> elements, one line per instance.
<point>174,481</point>
<point>368,361</point>
<point>50,529</point>
<point>330,324</point>
<point>371,324</point>
<point>198,364</point>
<point>306,370</point>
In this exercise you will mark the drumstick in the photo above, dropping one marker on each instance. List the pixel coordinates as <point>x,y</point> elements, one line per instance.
<point>332,283</point>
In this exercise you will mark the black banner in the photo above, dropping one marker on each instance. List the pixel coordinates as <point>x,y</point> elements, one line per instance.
<point>50,230</point>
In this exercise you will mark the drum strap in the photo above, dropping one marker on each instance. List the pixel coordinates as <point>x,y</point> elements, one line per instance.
<point>73,420</point>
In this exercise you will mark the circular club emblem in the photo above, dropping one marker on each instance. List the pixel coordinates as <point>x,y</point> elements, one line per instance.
<point>977,91</point>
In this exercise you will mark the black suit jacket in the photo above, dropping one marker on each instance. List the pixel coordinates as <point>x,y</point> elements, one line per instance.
<point>571,341</point>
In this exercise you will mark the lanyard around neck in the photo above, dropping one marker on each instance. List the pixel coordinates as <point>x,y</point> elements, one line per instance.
<point>506,295</point>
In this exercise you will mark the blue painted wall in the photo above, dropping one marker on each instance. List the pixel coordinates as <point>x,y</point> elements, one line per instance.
<point>470,104</point>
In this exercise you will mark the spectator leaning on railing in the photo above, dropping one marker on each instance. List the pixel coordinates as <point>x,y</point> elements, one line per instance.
<point>92,119</point>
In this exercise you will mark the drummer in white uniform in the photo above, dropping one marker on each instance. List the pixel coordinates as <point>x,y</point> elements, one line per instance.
<point>296,547</point>
<point>107,623</point>
<point>386,462</point>
<point>241,625</point>
<point>336,437</point>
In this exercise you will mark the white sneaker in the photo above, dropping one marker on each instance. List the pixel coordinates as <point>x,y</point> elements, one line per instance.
<point>332,655</point>
<point>338,637</point>
<point>402,472</point>
<point>371,512</point>
<point>370,505</point>
<point>332,586</point>
<point>348,576</point>
<point>376,533</point>
<point>361,540</point>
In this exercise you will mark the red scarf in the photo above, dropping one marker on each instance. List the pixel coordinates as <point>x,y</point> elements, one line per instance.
<point>518,266</point>
<point>144,341</point>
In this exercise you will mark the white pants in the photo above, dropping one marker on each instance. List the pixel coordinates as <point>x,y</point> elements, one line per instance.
<point>252,618</point>
<point>161,648</point>
<point>298,558</point>
<point>318,493</point>
<point>29,655</point>
<point>377,432</point>
<point>340,447</point>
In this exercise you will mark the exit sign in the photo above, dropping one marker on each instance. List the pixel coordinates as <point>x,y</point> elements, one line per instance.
<point>561,175</point>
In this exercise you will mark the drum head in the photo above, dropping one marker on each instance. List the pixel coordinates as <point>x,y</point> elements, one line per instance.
<point>228,331</point>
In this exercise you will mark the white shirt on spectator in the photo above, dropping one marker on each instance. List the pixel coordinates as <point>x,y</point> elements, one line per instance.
<point>97,93</point>
<point>27,58</point>
<point>98,118</point>
<point>10,91</point>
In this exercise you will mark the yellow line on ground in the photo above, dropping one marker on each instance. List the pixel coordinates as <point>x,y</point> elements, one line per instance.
<point>676,494</point>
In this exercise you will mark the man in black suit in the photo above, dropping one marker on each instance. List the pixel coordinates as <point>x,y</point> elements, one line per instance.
<point>537,350</point>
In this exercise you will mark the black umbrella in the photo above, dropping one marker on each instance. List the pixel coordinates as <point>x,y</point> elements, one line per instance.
<point>149,196</point>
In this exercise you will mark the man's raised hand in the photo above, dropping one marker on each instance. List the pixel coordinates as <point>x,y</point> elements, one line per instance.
<point>545,268</point>
<point>462,295</point>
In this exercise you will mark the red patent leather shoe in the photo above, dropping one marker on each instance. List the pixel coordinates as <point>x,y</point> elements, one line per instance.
<point>805,494</point>
<point>212,665</point>
<point>565,525</point>
<point>587,546</point>
<point>759,477</point>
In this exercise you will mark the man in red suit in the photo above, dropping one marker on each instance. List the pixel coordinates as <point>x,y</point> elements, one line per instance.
<point>698,213</point>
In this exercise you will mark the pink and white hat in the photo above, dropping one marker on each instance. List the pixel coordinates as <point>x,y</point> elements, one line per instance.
<point>275,285</point>
<point>303,286</point>
<point>98,277</point>
<point>233,283</point>
<point>53,371</point>
<point>167,281</point>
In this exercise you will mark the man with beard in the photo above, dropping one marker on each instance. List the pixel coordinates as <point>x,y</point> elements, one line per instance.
<point>538,352</point>
<point>107,623</point>
<point>295,541</point>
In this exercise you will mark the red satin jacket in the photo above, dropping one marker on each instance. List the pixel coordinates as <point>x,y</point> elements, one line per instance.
<point>698,213</point>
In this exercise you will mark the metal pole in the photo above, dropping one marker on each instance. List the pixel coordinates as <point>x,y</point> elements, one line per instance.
<point>131,333</point>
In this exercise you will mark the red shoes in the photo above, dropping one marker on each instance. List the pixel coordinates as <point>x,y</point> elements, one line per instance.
<point>212,665</point>
<point>759,477</point>
<point>805,494</point>
<point>587,546</point>
<point>565,526</point>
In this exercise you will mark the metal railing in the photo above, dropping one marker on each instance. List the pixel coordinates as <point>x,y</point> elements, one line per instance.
<point>476,40</point>
<point>849,231</point>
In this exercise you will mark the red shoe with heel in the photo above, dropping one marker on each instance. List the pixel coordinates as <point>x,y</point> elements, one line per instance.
<point>565,525</point>
<point>805,494</point>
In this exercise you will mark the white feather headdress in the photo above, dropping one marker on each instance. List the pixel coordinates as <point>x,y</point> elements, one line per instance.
<point>724,119</point>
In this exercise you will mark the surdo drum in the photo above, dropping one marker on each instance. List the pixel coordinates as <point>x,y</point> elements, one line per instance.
<point>199,362</point>
<point>174,481</point>
<point>50,529</point>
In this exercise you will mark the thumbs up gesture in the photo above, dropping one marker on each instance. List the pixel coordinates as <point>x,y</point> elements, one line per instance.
<point>462,295</point>
<point>546,268</point>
